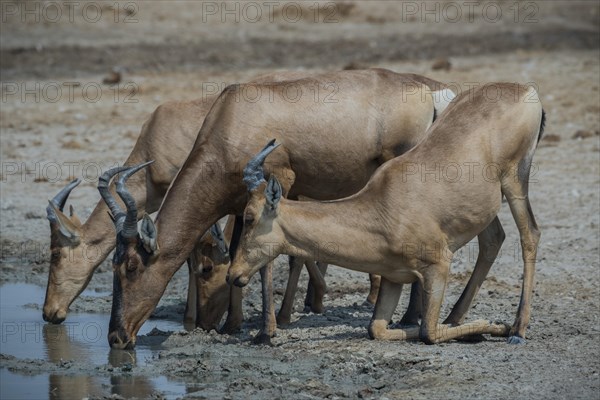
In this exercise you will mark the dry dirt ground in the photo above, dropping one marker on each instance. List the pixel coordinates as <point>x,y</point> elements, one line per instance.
<point>180,50</point>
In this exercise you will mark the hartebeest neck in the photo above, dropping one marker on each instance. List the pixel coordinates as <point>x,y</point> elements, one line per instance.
<point>334,232</point>
<point>204,191</point>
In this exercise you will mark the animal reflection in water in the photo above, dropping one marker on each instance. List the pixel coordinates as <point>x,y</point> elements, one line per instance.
<point>62,347</point>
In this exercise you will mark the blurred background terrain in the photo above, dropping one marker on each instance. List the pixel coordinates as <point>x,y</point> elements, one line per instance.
<point>79,80</point>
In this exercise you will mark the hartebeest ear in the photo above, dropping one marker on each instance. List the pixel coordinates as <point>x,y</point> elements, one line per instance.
<point>219,238</point>
<point>273,192</point>
<point>148,234</point>
<point>68,230</point>
<point>73,216</point>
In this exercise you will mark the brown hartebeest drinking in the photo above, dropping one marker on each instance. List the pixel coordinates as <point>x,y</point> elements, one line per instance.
<point>406,223</point>
<point>329,150</point>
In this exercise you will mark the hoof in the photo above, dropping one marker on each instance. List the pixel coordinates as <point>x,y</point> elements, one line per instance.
<point>515,340</point>
<point>230,329</point>
<point>307,309</point>
<point>262,339</point>
<point>371,300</point>
<point>367,303</point>
<point>283,321</point>
<point>317,309</point>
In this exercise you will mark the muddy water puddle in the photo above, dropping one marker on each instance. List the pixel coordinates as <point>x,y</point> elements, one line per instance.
<point>80,341</point>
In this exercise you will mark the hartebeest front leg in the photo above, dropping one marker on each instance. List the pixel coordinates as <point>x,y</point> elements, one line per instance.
<point>285,312</point>
<point>434,286</point>
<point>189,316</point>
<point>268,309</point>
<point>387,301</point>
<point>233,323</point>
<point>490,241</point>
<point>235,315</point>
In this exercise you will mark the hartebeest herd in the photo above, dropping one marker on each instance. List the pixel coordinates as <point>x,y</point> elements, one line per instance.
<point>339,173</point>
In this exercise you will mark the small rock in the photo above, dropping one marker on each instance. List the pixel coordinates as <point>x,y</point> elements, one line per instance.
<point>365,393</point>
<point>584,134</point>
<point>72,144</point>
<point>33,215</point>
<point>112,78</point>
<point>441,64</point>
<point>378,385</point>
<point>551,138</point>
<point>127,367</point>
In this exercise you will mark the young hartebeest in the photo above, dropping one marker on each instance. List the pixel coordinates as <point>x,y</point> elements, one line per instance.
<point>329,150</point>
<point>405,225</point>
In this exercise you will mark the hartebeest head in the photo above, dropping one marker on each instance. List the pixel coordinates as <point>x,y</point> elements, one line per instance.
<point>260,242</point>
<point>211,258</point>
<point>67,277</point>
<point>132,250</point>
<point>132,279</point>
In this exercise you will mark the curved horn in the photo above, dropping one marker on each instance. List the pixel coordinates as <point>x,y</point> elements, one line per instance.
<point>253,172</point>
<point>130,224</point>
<point>60,199</point>
<point>118,215</point>
<point>219,238</point>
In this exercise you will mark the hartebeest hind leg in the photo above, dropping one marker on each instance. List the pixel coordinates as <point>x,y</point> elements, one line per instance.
<point>314,295</point>
<point>517,197</point>
<point>490,240</point>
<point>315,290</point>
<point>316,272</point>
<point>413,312</point>
<point>375,281</point>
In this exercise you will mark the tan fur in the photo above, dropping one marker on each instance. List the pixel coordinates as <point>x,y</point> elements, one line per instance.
<point>329,150</point>
<point>166,137</point>
<point>406,227</point>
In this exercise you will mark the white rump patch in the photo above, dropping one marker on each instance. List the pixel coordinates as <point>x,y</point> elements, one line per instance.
<point>441,99</point>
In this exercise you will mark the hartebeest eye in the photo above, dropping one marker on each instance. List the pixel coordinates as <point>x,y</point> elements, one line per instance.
<point>133,264</point>
<point>248,219</point>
